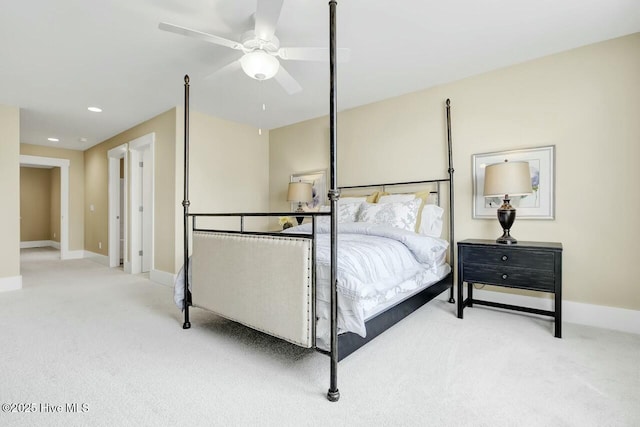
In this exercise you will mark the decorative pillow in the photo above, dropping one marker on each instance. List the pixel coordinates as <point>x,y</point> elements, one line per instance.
<point>429,214</point>
<point>402,215</point>
<point>348,200</point>
<point>396,198</point>
<point>346,212</point>
<point>375,196</point>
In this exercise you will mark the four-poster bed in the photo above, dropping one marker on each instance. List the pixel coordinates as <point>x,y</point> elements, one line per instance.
<point>272,281</point>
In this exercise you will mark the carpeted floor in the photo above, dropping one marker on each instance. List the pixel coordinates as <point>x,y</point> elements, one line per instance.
<point>112,343</point>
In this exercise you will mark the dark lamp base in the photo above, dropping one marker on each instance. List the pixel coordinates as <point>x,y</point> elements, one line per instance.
<point>300,210</point>
<point>506,217</point>
<point>506,239</point>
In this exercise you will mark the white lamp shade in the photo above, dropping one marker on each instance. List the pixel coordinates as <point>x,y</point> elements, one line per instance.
<point>259,65</point>
<point>512,178</point>
<point>300,192</point>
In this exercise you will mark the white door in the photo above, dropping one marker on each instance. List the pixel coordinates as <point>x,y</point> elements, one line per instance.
<point>121,222</point>
<point>146,223</point>
<point>141,208</point>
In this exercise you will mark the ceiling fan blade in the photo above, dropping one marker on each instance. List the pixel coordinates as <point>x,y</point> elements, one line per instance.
<point>266,18</point>
<point>285,79</point>
<point>227,69</point>
<point>312,54</point>
<point>165,26</point>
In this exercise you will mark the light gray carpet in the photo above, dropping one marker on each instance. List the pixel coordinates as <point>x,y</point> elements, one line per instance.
<point>81,333</point>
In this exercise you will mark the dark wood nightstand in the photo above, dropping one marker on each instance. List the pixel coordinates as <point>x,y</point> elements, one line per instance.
<point>535,266</point>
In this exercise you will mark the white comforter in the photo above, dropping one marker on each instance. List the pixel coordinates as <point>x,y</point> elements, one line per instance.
<point>375,264</point>
<point>374,259</point>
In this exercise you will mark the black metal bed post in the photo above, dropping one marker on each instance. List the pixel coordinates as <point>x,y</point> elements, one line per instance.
<point>451,211</point>
<point>185,204</point>
<point>334,194</point>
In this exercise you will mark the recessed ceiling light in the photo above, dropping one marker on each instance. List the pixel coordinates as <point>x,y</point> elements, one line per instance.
<point>53,139</point>
<point>83,139</point>
<point>95,109</point>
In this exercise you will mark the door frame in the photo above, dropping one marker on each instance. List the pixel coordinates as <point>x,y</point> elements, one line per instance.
<point>136,147</point>
<point>115,155</point>
<point>63,164</point>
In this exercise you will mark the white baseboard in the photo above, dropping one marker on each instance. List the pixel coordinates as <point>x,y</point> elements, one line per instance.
<point>100,259</point>
<point>39,244</point>
<point>600,316</point>
<point>162,277</point>
<point>10,283</point>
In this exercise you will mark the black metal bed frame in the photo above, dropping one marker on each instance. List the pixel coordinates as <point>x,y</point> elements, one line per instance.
<point>343,345</point>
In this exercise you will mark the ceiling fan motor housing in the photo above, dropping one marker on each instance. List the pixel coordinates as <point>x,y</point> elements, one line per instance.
<point>252,42</point>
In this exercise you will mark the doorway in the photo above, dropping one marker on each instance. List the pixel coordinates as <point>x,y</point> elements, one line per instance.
<point>63,164</point>
<point>40,207</point>
<point>118,162</point>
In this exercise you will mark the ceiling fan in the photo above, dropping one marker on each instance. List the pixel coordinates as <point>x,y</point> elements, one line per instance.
<point>261,48</point>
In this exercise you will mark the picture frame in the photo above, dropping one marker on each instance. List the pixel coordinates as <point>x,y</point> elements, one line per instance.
<point>318,181</point>
<point>539,205</point>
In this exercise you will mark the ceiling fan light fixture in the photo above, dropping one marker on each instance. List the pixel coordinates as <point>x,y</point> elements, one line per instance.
<point>259,65</point>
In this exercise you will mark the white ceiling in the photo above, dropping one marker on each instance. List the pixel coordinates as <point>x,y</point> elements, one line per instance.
<point>59,57</point>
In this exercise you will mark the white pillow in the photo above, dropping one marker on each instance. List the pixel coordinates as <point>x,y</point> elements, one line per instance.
<point>396,198</point>
<point>346,212</point>
<point>431,220</point>
<point>430,215</point>
<point>403,215</point>
<point>349,200</point>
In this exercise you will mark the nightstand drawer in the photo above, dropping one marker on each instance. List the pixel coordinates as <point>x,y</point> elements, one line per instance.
<point>516,277</point>
<point>508,257</point>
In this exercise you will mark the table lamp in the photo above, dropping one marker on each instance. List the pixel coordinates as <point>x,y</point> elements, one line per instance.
<point>504,180</point>
<point>300,192</point>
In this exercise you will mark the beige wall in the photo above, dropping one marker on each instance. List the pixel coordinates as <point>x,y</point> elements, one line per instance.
<point>76,189</point>
<point>97,188</point>
<point>10,190</point>
<point>229,170</point>
<point>301,147</point>
<point>585,101</point>
<point>35,204</point>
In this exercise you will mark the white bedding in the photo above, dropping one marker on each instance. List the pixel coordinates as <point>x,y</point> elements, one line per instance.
<point>376,264</point>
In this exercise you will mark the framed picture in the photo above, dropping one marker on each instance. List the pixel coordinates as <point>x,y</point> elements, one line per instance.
<point>538,205</point>
<point>318,181</point>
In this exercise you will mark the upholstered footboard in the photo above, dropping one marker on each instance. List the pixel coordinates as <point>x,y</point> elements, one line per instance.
<point>264,282</point>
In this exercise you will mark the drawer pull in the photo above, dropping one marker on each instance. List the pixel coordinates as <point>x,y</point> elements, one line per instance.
<point>504,257</point>
<point>504,276</point>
